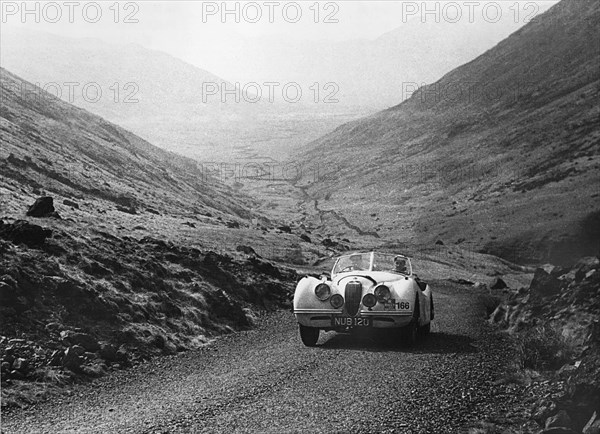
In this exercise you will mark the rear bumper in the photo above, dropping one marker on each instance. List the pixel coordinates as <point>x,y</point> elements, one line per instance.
<point>323,319</point>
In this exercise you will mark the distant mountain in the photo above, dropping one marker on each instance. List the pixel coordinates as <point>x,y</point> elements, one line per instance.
<point>50,145</point>
<point>162,99</point>
<point>501,154</point>
<point>368,73</point>
<point>148,92</point>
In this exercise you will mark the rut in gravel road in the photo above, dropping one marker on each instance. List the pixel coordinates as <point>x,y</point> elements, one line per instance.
<point>265,380</point>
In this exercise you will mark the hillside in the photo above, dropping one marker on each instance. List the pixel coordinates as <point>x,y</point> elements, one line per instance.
<point>501,155</point>
<point>50,144</point>
<point>137,252</point>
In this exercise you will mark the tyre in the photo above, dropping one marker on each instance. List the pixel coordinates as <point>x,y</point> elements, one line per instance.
<point>410,333</point>
<point>309,335</point>
<point>426,329</point>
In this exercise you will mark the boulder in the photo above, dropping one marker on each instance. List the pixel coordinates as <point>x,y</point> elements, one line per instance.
<point>70,337</point>
<point>285,228</point>
<point>71,203</point>
<point>498,315</point>
<point>584,266</point>
<point>42,207</point>
<point>246,249</point>
<point>71,360</point>
<point>498,283</point>
<point>108,352</point>
<point>328,242</point>
<point>20,365</point>
<point>122,355</point>
<point>56,358</point>
<point>558,271</point>
<point>306,238</point>
<point>14,298</point>
<point>78,349</point>
<point>544,284</point>
<point>22,232</point>
<point>439,243</point>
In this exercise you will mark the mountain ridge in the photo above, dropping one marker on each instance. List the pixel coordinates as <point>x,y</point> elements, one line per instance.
<point>472,168</point>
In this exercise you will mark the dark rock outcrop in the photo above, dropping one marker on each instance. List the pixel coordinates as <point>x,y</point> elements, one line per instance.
<point>306,238</point>
<point>23,232</point>
<point>544,284</point>
<point>498,283</point>
<point>43,207</point>
<point>70,203</point>
<point>555,321</point>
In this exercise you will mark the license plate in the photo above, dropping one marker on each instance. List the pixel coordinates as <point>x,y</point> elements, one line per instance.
<point>343,321</point>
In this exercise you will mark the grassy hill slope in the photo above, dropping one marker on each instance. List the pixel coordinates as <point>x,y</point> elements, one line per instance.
<point>501,155</point>
<point>140,258</point>
<point>67,150</point>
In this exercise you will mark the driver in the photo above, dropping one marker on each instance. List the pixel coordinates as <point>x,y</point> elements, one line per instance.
<point>400,265</point>
<point>356,262</point>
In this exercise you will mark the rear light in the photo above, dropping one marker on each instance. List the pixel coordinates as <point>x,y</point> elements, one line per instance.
<point>322,291</point>
<point>369,300</point>
<point>336,301</point>
<point>382,293</point>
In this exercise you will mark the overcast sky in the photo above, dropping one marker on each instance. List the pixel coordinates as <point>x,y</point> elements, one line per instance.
<point>200,32</point>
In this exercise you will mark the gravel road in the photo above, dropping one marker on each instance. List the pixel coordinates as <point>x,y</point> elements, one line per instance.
<point>265,380</point>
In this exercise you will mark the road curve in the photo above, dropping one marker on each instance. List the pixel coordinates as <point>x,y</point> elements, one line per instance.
<point>266,381</point>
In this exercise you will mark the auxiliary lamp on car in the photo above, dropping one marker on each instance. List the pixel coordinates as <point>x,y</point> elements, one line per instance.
<point>322,291</point>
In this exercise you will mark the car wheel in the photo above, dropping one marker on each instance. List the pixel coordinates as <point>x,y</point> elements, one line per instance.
<point>309,335</point>
<point>410,334</point>
<point>426,329</point>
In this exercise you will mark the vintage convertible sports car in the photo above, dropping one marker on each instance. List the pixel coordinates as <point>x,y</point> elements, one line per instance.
<point>366,291</point>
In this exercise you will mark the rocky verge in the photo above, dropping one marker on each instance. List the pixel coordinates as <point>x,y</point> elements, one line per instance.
<point>556,325</point>
<point>77,302</point>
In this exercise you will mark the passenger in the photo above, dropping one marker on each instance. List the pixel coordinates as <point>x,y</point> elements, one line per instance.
<point>357,262</point>
<point>400,265</point>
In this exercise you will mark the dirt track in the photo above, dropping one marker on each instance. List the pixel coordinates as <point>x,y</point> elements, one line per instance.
<point>264,380</point>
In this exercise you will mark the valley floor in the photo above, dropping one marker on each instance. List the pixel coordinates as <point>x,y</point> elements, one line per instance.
<point>264,380</point>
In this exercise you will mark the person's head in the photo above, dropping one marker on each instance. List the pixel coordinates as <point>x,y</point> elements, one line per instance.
<point>356,260</point>
<point>400,264</point>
